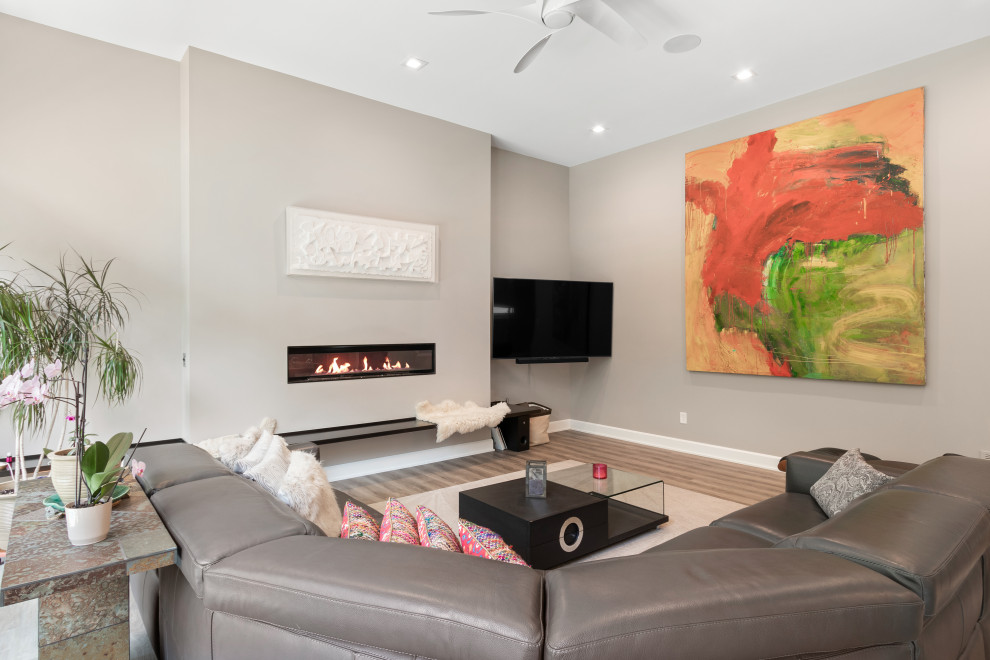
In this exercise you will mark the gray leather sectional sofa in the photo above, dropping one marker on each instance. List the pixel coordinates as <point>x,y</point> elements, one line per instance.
<point>901,573</point>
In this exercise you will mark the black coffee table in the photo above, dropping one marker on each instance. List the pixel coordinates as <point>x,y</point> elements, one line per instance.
<point>574,519</point>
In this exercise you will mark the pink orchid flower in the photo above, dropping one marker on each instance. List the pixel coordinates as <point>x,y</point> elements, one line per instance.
<point>27,370</point>
<point>137,468</point>
<point>53,370</point>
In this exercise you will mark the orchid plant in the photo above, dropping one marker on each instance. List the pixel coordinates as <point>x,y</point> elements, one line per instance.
<point>56,327</point>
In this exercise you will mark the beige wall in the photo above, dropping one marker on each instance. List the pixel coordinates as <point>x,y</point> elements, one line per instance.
<point>260,141</point>
<point>98,141</point>
<point>531,239</point>
<point>627,225</point>
<point>89,153</point>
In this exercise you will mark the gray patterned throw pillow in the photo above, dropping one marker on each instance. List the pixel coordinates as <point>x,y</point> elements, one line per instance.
<point>848,478</point>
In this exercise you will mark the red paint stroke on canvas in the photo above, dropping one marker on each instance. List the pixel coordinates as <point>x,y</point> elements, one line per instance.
<point>774,199</point>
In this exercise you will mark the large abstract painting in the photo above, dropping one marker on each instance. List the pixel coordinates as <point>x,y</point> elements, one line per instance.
<point>805,248</point>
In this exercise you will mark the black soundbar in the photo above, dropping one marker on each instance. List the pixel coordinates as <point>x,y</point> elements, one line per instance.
<point>549,360</point>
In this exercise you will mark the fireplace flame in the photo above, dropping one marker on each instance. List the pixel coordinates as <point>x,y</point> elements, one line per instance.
<point>336,368</point>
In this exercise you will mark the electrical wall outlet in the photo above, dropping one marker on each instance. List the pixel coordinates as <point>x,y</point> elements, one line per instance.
<point>683,418</point>
<point>985,453</point>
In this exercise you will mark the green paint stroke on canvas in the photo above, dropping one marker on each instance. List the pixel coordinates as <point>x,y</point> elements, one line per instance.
<point>849,310</point>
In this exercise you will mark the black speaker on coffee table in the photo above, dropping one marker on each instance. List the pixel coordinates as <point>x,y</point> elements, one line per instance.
<point>545,532</point>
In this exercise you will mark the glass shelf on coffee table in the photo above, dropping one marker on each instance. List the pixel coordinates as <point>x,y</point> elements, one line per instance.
<point>635,501</point>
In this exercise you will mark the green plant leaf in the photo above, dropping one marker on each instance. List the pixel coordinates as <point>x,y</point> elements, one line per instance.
<point>118,446</point>
<point>99,482</point>
<point>95,458</point>
<point>110,482</point>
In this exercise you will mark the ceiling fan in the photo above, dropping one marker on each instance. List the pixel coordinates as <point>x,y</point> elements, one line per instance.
<point>613,18</point>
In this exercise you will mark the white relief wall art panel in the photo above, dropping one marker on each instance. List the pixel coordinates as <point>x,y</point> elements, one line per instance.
<point>342,245</point>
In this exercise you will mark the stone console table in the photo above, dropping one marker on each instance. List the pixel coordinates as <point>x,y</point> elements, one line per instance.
<point>82,591</point>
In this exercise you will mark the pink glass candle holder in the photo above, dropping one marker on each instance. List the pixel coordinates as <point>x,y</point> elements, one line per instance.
<point>599,471</point>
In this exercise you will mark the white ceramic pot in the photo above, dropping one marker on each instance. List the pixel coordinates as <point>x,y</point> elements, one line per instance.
<point>63,473</point>
<point>89,524</point>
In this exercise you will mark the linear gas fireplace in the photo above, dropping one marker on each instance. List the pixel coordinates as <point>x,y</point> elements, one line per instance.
<point>309,364</point>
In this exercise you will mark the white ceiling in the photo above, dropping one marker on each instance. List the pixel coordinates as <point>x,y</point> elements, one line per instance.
<point>581,78</point>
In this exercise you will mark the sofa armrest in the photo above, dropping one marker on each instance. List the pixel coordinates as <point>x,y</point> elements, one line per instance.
<point>754,603</point>
<point>399,599</point>
<point>804,468</point>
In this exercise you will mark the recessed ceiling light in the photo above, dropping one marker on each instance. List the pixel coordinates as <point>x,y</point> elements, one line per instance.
<point>415,63</point>
<point>744,74</point>
<point>682,43</point>
<point>598,128</point>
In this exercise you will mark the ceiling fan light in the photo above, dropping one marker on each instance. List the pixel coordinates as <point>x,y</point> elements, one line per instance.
<point>682,43</point>
<point>558,18</point>
<point>415,63</point>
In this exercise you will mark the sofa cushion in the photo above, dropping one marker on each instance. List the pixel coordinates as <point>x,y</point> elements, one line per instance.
<point>480,541</point>
<point>714,604</point>
<point>305,488</point>
<point>777,517</point>
<point>434,532</point>
<point>175,463</point>
<point>406,601</point>
<point>711,538</point>
<point>398,525</point>
<point>928,543</point>
<point>804,468</point>
<point>270,470</point>
<point>850,477</point>
<point>232,448</point>
<point>955,476</point>
<point>215,518</point>
<point>357,523</point>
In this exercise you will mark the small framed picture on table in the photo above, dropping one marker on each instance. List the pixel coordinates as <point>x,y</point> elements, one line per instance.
<point>536,479</point>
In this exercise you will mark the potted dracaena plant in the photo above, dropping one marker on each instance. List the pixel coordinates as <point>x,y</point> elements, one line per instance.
<point>58,331</point>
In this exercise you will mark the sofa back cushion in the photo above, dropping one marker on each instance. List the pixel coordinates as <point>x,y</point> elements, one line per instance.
<point>212,519</point>
<point>955,476</point>
<point>175,463</point>
<point>804,468</point>
<point>929,543</point>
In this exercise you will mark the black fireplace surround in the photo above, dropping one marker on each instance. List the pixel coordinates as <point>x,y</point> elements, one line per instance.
<point>310,364</point>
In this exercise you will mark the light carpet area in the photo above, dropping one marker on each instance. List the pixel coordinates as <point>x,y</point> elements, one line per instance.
<point>687,510</point>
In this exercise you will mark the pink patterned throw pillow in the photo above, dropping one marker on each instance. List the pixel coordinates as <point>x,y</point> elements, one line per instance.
<point>398,525</point>
<point>358,524</point>
<point>434,532</point>
<point>483,542</point>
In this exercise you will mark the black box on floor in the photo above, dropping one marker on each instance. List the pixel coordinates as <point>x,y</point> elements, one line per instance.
<point>515,425</point>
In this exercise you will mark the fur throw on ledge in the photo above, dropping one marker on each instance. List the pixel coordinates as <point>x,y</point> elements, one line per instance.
<point>451,417</point>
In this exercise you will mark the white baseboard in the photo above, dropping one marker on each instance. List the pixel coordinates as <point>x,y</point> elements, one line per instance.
<point>740,456</point>
<point>409,459</point>
<point>412,459</point>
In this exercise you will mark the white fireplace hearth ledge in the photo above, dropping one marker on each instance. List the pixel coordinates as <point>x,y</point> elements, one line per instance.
<point>412,459</point>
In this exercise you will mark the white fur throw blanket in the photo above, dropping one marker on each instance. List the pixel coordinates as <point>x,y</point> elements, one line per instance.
<point>452,418</point>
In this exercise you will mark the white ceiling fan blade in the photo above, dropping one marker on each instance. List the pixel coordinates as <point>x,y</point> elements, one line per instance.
<point>527,11</point>
<point>648,17</point>
<point>459,12</point>
<point>531,54</point>
<point>606,20</point>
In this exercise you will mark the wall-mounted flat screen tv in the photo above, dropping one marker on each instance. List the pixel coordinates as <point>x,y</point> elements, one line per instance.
<point>551,320</point>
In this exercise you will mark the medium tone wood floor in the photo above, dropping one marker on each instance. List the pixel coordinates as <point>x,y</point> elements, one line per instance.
<point>730,481</point>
